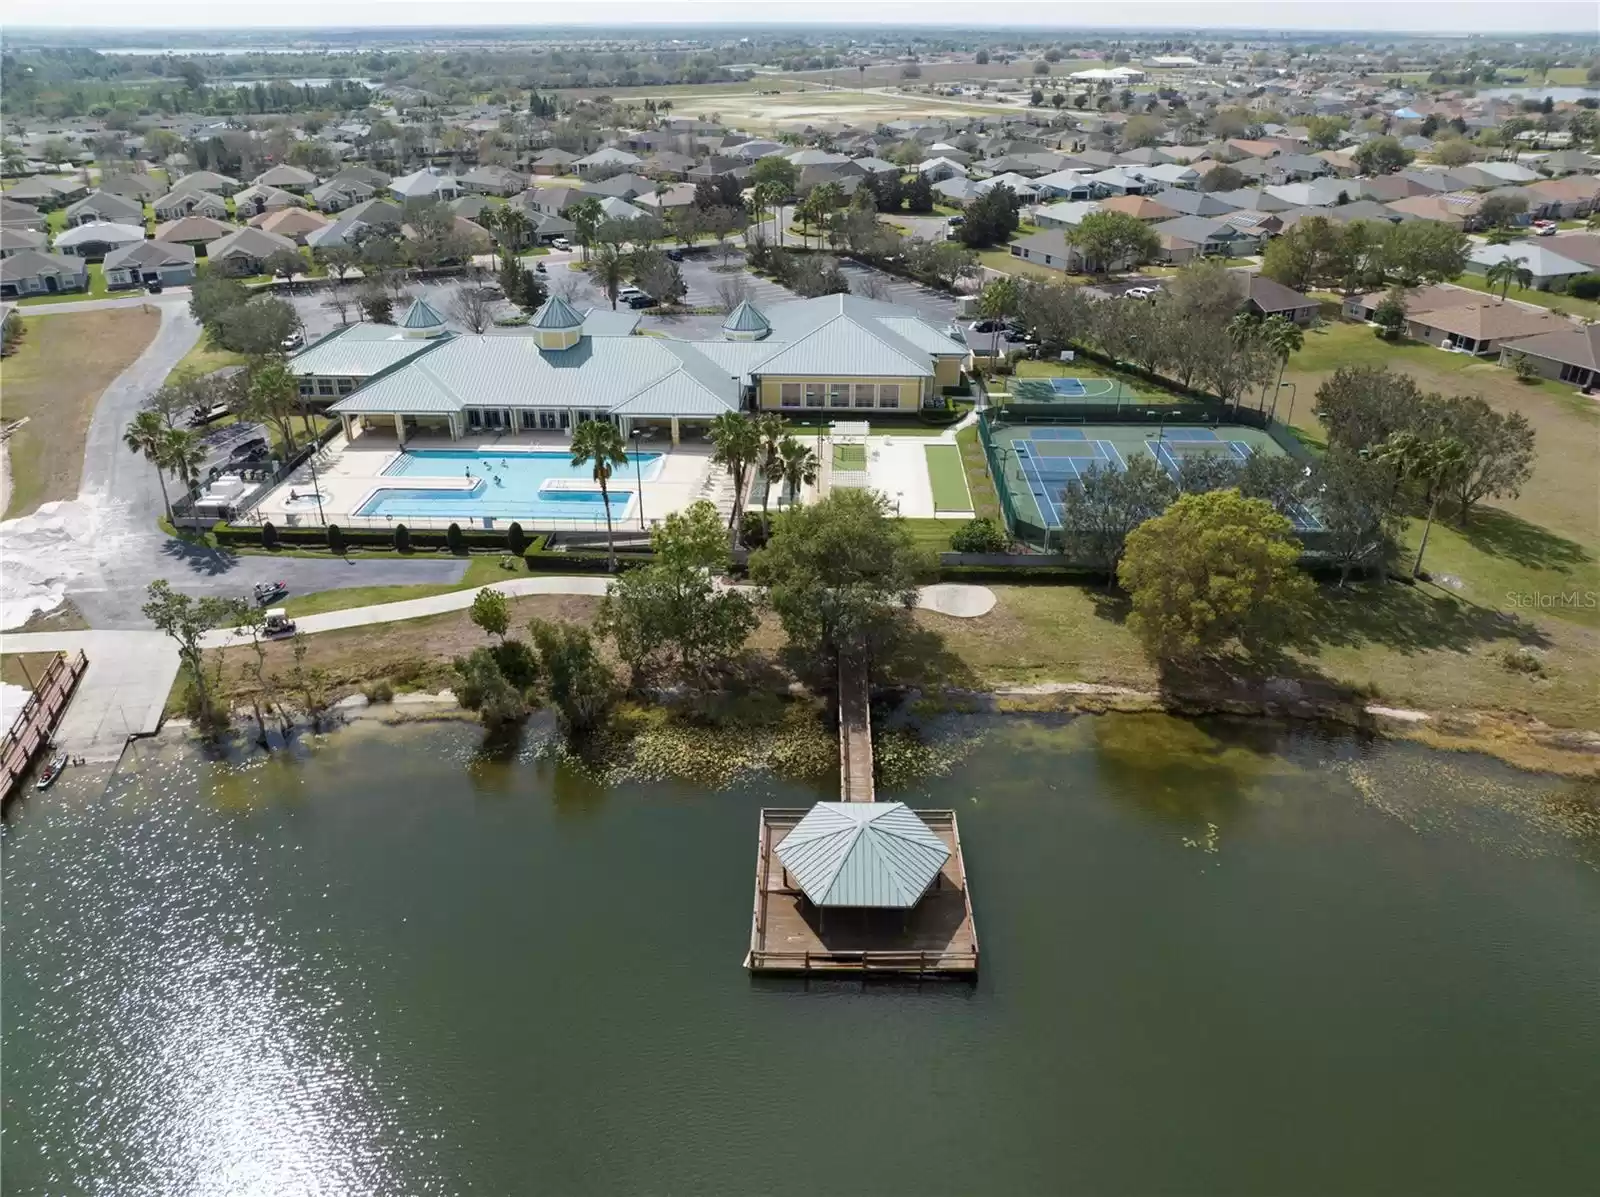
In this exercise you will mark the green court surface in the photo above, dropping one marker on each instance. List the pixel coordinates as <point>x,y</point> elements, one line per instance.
<point>947,478</point>
<point>849,457</point>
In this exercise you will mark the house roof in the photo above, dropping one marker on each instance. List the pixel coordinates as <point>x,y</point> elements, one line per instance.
<point>285,175</point>
<point>150,253</point>
<point>422,183</point>
<point>556,313</point>
<point>1542,262</point>
<point>359,351</point>
<point>1580,247</point>
<point>863,854</point>
<point>254,243</point>
<point>108,205</point>
<point>31,262</point>
<point>104,232</point>
<point>1271,296</point>
<point>204,180</point>
<point>1490,321</point>
<point>287,222</point>
<point>193,228</point>
<point>1572,346</point>
<point>1141,207</point>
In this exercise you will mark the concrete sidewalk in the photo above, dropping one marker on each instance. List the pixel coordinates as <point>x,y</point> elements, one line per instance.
<point>121,694</point>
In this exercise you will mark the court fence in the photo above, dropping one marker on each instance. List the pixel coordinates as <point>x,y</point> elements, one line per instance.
<point>1033,536</point>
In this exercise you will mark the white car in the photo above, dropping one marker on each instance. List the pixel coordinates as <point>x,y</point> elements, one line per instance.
<point>1138,293</point>
<point>560,243</point>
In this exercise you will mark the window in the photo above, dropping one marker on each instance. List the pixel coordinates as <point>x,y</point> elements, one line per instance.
<point>552,420</point>
<point>307,388</point>
<point>789,395</point>
<point>813,394</point>
<point>865,394</point>
<point>838,394</point>
<point>889,395</point>
<point>474,418</point>
<point>346,385</point>
<point>1577,375</point>
<point>324,386</point>
<point>529,418</point>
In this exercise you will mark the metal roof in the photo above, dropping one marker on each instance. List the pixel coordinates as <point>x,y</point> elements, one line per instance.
<point>359,351</point>
<point>421,315</point>
<point>556,313</point>
<point>863,854</point>
<point>745,317</point>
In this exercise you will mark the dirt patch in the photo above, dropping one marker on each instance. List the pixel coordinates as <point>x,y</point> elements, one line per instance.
<point>54,380</point>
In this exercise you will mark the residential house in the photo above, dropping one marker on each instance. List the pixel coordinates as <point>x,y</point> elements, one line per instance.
<point>679,195</point>
<point>1065,215</point>
<point>667,164</point>
<point>470,207</point>
<point>1453,208</point>
<point>1247,148</point>
<point>1482,327</point>
<point>492,180</point>
<point>14,241</point>
<point>1570,355</point>
<point>20,216</point>
<point>554,200</point>
<point>138,187</point>
<point>1566,162</point>
<point>1423,299</point>
<point>1547,266</point>
<point>293,223</point>
<point>1051,249</point>
<point>1569,198</point>
<point>1063,184</point>
<point>46,192</point>
<point>957,192</point>
<point>605,161</point>
<point>935,169</point>
<point>1121,180</point>
<point>1172,174</point>
<point>612,208</point>
<point>245,251</point>
<point>1579,247</point>
<point>286,178</point>
<point>1190,237</point>
<point>148,262</point>
<point>1319,193</point>
<point>1505,172</point>
<point>207,180</point>
<point>198,231</point>
<point>355,223</point>
<point>426,184</point>
<point>552,161</point>
<point>1385,189</point>
<point>626,185</point>
<point>32,272</point>
<point>1193,203</point>
<point>257,199</point>
<point>105,206</point>
<point>96,239</point>
<point>177,204</point>
<point>1253,199</point>
<point>338,194</point>
<point>1269,298</point>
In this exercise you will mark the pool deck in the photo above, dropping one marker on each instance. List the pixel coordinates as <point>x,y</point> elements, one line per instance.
<point>788,936</point>
<point>348,473</point>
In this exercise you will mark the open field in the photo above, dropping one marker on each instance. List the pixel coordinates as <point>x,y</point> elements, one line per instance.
<point>55,380</point>
<point>887,74</point>
<point>796,108</point>
<point>481,570</point>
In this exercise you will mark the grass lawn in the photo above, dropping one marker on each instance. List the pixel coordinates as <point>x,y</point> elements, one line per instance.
<point>481,570</point>
<point>203,359</point>
<point>1003,261</point>
<point>984,499</point>
<point>849,457</point>
<point>1588,309</point>
<point>55,379</point>
<point>947,478</point>
<point>97,290</point>
<point>932,535</point>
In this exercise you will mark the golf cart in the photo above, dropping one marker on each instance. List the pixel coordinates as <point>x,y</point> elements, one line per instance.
<point>278,623</point>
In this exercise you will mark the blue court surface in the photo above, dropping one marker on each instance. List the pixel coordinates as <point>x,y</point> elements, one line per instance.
<point>1079,387</point>
<point>1054,457</point>
<point>1299,515</point>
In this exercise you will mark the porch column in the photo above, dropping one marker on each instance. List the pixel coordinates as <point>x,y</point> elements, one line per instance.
<point>674,431</point>
<point>344,422</point>
<point>399,428</point>
<point>455,428</point>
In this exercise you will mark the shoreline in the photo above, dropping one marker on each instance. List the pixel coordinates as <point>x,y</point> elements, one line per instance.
<point>1520,741</point>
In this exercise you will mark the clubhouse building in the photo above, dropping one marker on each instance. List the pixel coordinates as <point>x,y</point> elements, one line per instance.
<point>836,353</point>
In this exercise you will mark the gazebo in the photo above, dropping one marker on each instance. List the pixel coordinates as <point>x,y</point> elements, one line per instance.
<point>877,855</point>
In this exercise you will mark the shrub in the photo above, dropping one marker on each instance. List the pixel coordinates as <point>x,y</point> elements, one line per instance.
<point>980,535</point>
<point>517,663</point>
<point>1584,286</point>
<point>753,529</point>
<point>1525,370</point>
<point>335,539</point>
<point>379,691</point>
<point>269,536</point>
<point>402,538</point>
<point>454,540</point>
<point>516,539</point>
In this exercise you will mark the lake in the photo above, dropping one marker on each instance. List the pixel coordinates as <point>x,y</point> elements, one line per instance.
<point>1217,957</point>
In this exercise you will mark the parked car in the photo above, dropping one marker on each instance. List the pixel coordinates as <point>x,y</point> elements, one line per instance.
<point>294,340</point>
<point>1139,293</point>
<point>153,286</point>
<point>560,243</point>
<point>640,301</point>
<point>956,221</point>
<point>538,268</point>
<point>674,255</point>
<point>1545,228</point>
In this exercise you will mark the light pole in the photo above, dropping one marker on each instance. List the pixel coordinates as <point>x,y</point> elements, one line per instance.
<point>638,475</point>
<point>1292,393</point>
<point>316,489</point>
<point>1161,428</point>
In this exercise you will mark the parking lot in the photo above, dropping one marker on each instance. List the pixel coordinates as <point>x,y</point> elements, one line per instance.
<point>1115,290</point>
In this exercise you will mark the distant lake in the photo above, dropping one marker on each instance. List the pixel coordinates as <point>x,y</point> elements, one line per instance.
<point>1539,93</point>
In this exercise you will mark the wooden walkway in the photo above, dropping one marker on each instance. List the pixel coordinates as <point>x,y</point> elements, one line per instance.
<point>36,722</point>
<point>855,734</point>
<point>937,938</point>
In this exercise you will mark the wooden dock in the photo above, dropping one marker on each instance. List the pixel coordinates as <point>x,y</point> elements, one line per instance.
<point>935,939</point>
<point>855,735</point>
<point>36,722</point>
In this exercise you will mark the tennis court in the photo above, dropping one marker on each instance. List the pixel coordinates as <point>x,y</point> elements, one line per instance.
<point>1038,461</point>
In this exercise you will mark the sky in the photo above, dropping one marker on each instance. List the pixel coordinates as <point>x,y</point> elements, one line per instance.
<point>1424,16</point>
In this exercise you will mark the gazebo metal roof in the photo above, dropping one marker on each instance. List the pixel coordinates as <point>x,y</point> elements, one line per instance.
<point>878,854</point>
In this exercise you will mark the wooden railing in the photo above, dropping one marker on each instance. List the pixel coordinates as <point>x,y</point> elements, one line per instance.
<point>904,963</point>
<point>32,728</point>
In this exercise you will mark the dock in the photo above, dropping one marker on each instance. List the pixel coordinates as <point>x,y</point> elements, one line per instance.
<point>936,938</point>
<point>35,724</point>
<point>855,735</point>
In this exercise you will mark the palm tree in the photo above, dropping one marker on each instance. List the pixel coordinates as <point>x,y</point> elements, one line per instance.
<point>183,453</point>
<point>585,216</point>
<point>798,465</point>
<point>769,456</point>
<point>735,445</point>
<point>997,300</point>
<point>609,268</point>
<point>1284,338</point>
<point>1507,271</point>
<point>1435,464</point>
<point>599,442</point>
<point>513,225</point>
<point>147,435</point>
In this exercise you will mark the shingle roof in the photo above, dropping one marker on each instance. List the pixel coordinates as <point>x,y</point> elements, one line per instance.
<point>102,231</point>
<point>150,253</point>
<point>863,854</point>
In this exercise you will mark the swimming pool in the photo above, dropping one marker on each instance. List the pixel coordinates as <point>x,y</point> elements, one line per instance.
<point>504,485</point>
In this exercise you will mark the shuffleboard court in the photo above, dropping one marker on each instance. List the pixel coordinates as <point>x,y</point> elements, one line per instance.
<point>947,478</point>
